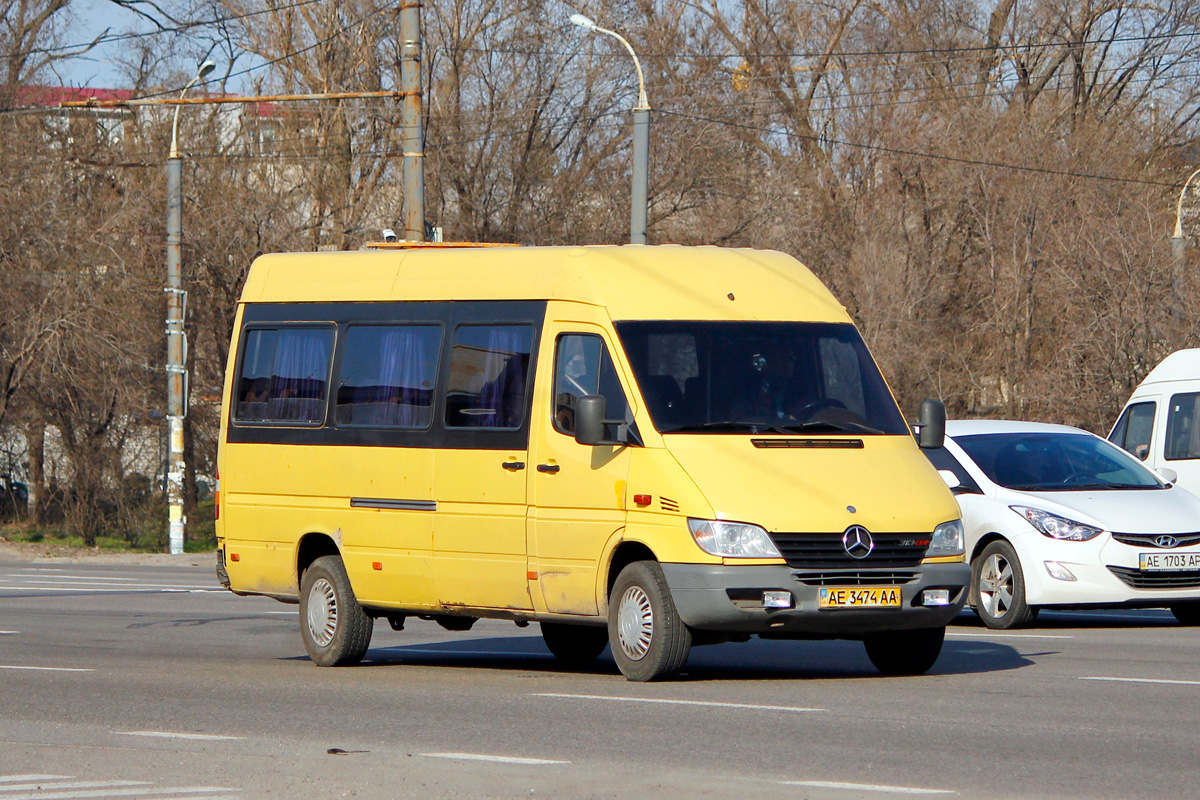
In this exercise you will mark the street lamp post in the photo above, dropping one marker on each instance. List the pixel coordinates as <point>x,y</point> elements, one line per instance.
<point>1178,242</point>
<point>176,338</point>
<point>640,197</point>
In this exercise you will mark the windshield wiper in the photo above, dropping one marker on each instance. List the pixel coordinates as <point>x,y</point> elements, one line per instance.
<point>819,425</point>
<point>1108,486</point>
<point>730,425</point>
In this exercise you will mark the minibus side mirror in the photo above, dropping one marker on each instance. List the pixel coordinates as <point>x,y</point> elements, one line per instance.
<point>933,424</point>
<point>591,425</point>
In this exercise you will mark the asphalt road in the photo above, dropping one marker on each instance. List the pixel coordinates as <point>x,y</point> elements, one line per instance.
<point>155,684</point>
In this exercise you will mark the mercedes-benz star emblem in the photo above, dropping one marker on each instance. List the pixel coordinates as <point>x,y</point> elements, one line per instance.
<point>858,542</point>
<point>1166,541</point>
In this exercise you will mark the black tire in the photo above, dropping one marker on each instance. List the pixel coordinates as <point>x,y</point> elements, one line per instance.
<point>647,638</point>
<point>905,652</point>
<point>335,629</point>
<point>998,588</point>
<point>1187,613</point>
<point>574,644</point>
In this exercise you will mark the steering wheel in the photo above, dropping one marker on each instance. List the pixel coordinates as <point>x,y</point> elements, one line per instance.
<point>810,410</point>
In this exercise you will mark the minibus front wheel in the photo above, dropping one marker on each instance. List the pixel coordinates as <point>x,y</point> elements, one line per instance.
<point>645,633</point>
<point>335,629</point>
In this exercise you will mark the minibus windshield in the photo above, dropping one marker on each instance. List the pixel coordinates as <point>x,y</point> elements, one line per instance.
<point>759,377</point>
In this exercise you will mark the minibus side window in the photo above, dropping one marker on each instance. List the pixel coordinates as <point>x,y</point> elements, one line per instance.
<point>387,374</point>
<point>488,369</point>
<point>1183,427</point>
<point>1134,429</point>
<point>284,374</point>
<point>583,366</point>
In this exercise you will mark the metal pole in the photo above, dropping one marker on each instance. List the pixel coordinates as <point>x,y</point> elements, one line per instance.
<point>414,155</point>
<point>175,355</point>
<point>640,197</point>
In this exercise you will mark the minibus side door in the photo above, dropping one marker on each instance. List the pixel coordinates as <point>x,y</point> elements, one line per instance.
<point>479,481</point>
<point>576,491</point>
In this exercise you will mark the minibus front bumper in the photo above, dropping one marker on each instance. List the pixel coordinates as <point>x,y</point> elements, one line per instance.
<point>730,599</point>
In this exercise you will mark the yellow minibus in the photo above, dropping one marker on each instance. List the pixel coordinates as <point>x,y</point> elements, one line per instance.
<point>644,448</point>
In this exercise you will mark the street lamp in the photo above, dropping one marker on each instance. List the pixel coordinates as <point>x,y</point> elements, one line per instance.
<point>639,201</point>
<point>176,338</point>
<point>1177,241</point>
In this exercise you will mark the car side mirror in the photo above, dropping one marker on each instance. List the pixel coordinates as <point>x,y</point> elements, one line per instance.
<point>1167,474</point>
<point>591,426</point>
<point>932,420</point>
<point>951,480</point>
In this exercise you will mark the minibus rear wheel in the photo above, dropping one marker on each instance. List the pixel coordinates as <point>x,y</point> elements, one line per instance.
<point>905,652</point>
<point>645,633</point>
<point>574,644</point>
<point>335,629</point>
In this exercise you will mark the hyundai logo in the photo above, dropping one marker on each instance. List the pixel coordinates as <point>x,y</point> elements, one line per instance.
<point>1166,541</point>
<point>858,542</point>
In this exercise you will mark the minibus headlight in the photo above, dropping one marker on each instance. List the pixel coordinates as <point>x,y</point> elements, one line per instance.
<point>947,540</point>
<point>1057,527</point>
<point>732,539</point>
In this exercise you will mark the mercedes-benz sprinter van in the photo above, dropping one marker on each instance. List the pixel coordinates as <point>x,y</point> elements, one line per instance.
<point>644,448</point>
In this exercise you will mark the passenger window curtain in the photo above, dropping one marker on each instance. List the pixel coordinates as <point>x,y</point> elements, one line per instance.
<point>298,382</point>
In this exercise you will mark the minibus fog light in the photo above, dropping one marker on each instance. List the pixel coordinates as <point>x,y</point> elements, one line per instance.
<point>935,597</point>
<point>777,599</point>
<point>1059,572</point>
<point>732,539</point>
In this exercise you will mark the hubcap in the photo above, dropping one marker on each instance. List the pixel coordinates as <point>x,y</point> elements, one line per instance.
<point>635,623</point>
<point>322,612</point>
<point>996,586</point>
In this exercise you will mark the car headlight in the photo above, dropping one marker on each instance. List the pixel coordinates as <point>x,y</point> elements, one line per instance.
<point>1057,527</point>
<point>732,539</point>
<point>947,540</point>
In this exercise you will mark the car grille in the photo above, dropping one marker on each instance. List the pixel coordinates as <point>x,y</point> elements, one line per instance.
<point>825,550</point>
<point>1157,580</point>
<point>1147,539</point>
<point>850,578</point>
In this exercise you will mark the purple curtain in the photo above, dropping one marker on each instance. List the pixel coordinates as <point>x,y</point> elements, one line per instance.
<point>301,368</point>
<point>404,372</point>
<point>506,352</point>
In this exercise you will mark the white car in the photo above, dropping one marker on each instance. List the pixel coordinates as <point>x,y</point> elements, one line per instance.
<point>1058,517</point>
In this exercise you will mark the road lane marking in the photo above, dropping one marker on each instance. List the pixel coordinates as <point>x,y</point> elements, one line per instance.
<point>205,792</point>
<point>429,651</point>
<point>34,777</point>
<point>105,578</point>
<point>497,759</point>
<point>8,633</point>
<point>867,787</point>
<point>705,703</point>
<point>48,669</point>
<point>1139,680</point>
<point>1007,636</point>
<point>173,735</point>
<point>115,589</point>
<point>70,784</point>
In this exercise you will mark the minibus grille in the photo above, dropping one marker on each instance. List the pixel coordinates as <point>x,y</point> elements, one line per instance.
<point>826,551</point>
<point>1148,539</point>
<point>850,578</point>
<point>1157,580</point>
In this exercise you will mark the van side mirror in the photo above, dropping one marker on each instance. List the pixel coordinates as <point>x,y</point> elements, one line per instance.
<point>591,425</point>
<point>932,420</point>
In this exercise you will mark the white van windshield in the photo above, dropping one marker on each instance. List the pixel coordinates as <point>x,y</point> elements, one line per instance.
<point>759,377</point>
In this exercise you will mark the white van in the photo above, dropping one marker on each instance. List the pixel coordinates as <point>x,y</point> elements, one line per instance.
<point>1161,420</point>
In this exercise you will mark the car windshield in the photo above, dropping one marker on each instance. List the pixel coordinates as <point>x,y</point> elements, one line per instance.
<point>759,377</point>
<point>1055,462</point>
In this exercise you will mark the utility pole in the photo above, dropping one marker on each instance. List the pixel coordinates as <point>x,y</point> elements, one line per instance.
<point>176,336</point>
<point>413,141</point>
